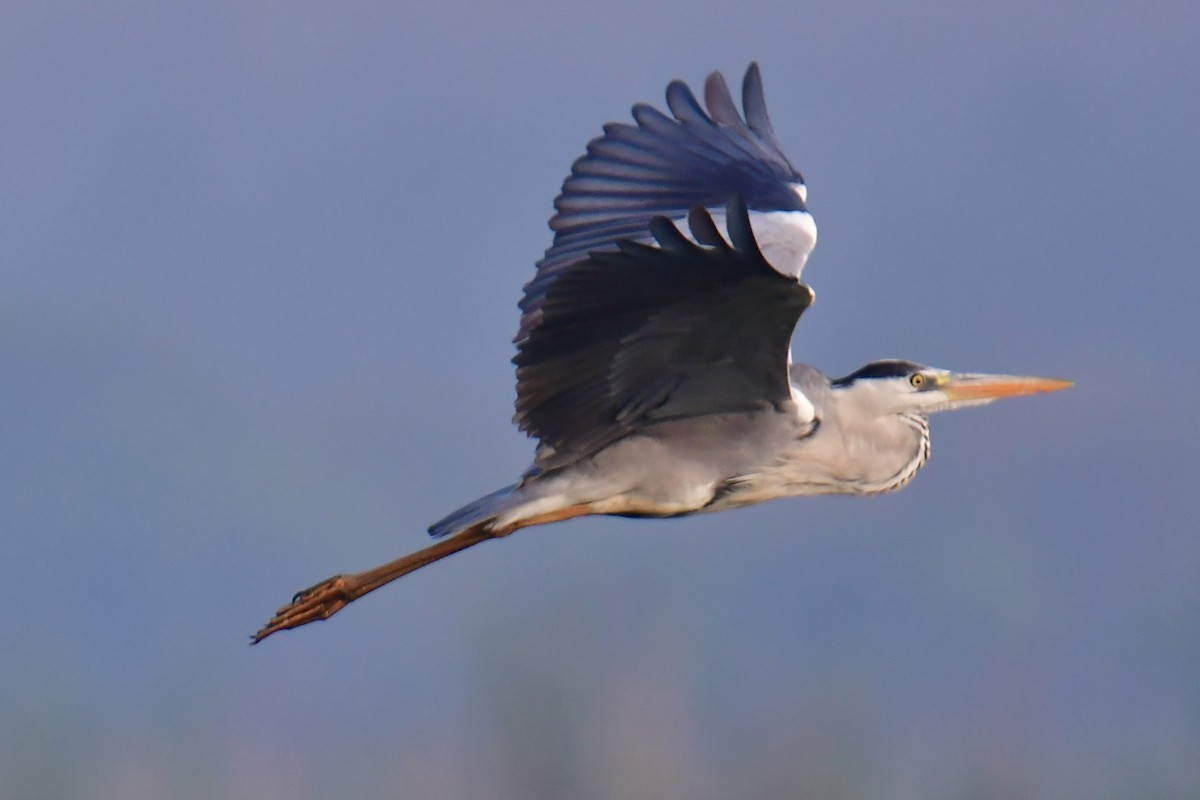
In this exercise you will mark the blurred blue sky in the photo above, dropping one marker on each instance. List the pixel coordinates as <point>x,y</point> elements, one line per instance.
<point>258,275</point>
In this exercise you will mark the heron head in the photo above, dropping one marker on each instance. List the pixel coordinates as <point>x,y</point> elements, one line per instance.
<point>896,386</point>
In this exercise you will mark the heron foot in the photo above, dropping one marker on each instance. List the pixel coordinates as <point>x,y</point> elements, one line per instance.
<point>315,603</point>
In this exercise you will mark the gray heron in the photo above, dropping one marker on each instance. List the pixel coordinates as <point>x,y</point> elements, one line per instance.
<point>653,355</point>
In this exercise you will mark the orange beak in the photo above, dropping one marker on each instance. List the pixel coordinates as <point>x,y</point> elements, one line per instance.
<point>991,387</point>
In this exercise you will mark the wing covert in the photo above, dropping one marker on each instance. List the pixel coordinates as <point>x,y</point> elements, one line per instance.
<point>648,332</point>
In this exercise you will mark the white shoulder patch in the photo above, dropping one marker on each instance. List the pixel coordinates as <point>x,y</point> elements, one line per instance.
<point>784,237</point>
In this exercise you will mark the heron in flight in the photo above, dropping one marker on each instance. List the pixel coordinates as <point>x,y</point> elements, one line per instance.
<point>653,354</point>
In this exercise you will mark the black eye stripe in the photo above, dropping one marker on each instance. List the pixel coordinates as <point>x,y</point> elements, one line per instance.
<point>881,369</point>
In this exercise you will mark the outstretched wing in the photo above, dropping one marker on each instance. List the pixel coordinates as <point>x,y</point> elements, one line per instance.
<point>667,165</point>
<point>643,333</point>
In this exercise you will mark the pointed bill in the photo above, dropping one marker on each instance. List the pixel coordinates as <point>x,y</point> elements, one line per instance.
<point>992,387</point>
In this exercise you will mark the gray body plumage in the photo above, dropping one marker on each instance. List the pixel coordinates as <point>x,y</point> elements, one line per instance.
<point>855,444</point>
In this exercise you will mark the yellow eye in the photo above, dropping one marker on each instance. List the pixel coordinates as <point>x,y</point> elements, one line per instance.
<point>917,380</point>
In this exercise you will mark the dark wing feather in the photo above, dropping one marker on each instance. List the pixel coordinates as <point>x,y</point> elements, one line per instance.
<point>645,333</point>
<point>664,166</point>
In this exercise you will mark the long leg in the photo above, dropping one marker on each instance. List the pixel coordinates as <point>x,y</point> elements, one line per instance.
<point>331,595</point>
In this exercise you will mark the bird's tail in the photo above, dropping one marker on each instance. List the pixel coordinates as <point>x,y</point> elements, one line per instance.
<point>481,511</point>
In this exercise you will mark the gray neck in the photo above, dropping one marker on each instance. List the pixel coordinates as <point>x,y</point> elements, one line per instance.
<point>865,448</point>
<point>883,455</point>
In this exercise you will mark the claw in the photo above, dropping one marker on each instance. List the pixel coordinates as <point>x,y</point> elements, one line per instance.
<point>330,596</point>
<point>313,604</point>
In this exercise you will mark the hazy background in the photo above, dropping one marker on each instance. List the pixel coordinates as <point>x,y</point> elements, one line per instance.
<point>258,272</point>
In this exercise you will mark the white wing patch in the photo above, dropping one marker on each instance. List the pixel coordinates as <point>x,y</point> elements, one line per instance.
<point>784,237</point>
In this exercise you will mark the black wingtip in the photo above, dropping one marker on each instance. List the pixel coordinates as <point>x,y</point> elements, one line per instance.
<point>754,104</point>
<point>668,236</point>
<point>737,222</point>
<point>752,82</point>
<point>704,229</point>
<point>720,104</point>
<point>683,103</point>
